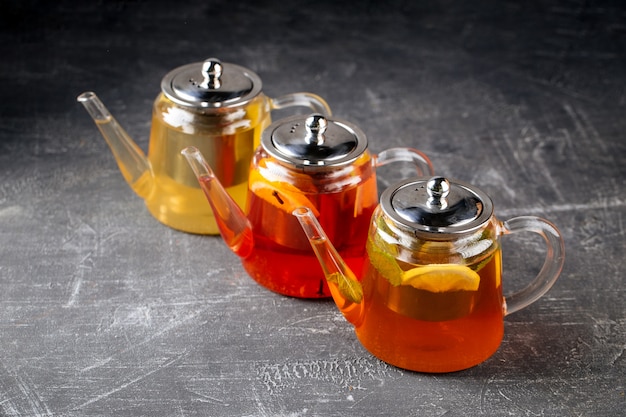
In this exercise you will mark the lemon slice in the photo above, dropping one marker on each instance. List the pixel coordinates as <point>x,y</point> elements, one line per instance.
<point>442,278</point>
<point>280,194</point>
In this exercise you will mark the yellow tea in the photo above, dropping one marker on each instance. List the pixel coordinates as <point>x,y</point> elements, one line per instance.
<point>226,141</point>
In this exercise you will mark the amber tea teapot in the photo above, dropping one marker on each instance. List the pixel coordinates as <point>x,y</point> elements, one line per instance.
<point>215,106</point>
<point>430,297</point>
<point>317,162</point>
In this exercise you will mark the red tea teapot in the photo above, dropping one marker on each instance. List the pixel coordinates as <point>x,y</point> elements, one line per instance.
<point>430,296</point>
<point>317,162</point>
<point>215,106</point>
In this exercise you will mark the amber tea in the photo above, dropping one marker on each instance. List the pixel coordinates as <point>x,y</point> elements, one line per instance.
<point>439,318</point>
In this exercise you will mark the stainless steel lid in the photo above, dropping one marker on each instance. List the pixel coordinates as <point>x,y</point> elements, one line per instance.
<point>314,141</point>
<point>436,205</point>
<point>211,84</point>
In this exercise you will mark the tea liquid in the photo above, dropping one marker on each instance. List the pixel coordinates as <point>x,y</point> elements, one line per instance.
<point>282,259</point>
<point>426,331</point>
<point>176,198</point>
<point>185,208</point>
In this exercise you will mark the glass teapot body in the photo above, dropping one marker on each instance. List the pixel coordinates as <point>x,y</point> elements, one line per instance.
<point>430,295</point>
<point>226,136</point>
<point>324,165</point>
<point>343,198</point>
<point>216,107</point>
<point>425,320</point>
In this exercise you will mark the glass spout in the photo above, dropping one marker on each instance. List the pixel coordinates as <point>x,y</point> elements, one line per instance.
<point>131,160</point>
<point>233,224</point>
<point>345,288</point>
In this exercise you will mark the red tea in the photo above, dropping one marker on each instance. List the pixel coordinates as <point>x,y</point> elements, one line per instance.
<point>281,258</point>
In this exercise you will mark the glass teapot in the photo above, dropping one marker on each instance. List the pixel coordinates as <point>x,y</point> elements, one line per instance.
<point>215,106</point>
<point>313,161</point>
<point>430,297</point>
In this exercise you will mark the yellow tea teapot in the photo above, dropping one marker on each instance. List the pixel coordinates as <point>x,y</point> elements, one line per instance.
<point>430,296</point>
<point>215,106</point>
<point>315,161</point>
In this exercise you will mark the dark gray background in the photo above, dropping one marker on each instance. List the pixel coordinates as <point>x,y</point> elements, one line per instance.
<point>104,311</point>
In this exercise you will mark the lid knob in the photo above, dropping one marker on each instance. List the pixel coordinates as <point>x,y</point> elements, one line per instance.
<point>438,189</point>
<point>211,71</point>
<point>316,125</point>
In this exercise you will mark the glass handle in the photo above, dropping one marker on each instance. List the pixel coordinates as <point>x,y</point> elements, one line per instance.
<point>312,101</point>
<point>552,266</point>
<point>423,166</point>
